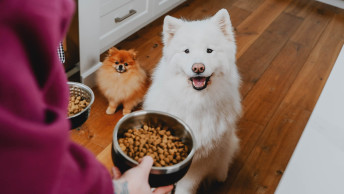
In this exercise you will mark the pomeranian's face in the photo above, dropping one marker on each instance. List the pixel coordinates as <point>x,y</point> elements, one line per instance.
<point>121,60</point>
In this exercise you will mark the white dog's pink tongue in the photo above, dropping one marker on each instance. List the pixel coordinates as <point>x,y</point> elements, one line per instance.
<point>198,82</point>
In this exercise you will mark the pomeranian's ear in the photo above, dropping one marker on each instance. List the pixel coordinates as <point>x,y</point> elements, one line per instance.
<point>171,25</point>
<point>133,53</point>
<point>112,51</point>
<point>223,21</point>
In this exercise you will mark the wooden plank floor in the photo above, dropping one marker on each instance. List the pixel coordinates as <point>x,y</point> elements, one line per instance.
<point>286,50</point>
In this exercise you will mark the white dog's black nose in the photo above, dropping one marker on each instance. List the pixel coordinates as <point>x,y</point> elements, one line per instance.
<point>198,68</point>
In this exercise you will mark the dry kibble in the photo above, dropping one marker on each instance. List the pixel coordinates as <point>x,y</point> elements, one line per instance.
<point>76,104</point>
<point>171,151</point>
<point>123,147</point>
<point>137,144</point>
<point>161,156</point>
<point>159,143</point>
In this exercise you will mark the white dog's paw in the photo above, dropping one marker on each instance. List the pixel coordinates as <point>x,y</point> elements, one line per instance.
<point>185,187</point>
<point>183,191</point>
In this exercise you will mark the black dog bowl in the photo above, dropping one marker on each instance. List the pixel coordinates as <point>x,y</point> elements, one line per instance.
<point>84,92</point>
<point>159,176</point>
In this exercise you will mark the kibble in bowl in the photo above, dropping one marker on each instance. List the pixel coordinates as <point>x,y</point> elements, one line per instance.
<point>81,98</point>
<point>161,144</point>
<point>164,137</point>
<point>76,104</point>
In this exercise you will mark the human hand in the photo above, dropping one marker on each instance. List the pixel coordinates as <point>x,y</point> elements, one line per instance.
<point>135,180</point>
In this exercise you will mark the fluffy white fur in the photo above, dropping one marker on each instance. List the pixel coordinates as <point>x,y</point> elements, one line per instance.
<point>211,112</point>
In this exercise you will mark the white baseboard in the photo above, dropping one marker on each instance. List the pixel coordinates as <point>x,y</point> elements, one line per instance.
<point>74,70</point>
<point>89,77</point>
<point>336,3</point>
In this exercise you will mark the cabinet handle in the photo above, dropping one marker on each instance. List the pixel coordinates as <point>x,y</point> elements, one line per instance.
<point>131,12</point>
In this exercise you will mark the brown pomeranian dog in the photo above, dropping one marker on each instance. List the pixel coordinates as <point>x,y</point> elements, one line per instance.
<point>122,80</point>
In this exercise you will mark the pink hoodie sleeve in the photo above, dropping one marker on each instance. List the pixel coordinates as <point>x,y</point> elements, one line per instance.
<point>36,154</point>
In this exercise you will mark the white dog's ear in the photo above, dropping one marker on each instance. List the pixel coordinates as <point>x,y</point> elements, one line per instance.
<point>222,19</point>
<point>171,25</point>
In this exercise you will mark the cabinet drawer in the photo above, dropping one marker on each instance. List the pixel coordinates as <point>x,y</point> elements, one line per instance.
<point>122,21</point>
<point>106,6</point>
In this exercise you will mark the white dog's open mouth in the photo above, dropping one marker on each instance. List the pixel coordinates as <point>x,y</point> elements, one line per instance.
<point>199,83</point>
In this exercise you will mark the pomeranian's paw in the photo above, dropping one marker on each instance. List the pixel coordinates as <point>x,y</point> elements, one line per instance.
<point>110,110</point>
<point>126,111</point>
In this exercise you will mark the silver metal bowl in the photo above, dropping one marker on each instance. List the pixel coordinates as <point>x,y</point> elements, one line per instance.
<point>85,92</point>
<point>159,176</point>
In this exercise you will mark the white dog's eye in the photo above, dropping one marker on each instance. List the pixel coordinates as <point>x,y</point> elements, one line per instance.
<point>209,50</point>
<point>186,51</point>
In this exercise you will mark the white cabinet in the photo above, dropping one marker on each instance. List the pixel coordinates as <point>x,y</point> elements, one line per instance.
<point>161,6</point>
<point>104,23</point>
<point>122,20</point>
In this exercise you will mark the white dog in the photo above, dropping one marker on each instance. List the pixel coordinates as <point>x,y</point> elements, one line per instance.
<point>197,80</point>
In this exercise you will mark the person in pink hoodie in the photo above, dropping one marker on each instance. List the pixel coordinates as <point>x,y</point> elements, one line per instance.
<point>36,154</point>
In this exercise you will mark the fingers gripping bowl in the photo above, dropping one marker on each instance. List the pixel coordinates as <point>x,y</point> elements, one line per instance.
<point>159,176</point>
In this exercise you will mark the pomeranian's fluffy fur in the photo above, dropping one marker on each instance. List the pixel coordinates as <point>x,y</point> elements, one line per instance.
<point>197,80</point>
<point>122,80</point>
